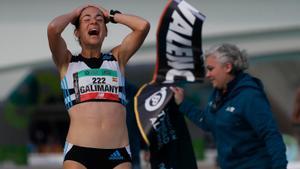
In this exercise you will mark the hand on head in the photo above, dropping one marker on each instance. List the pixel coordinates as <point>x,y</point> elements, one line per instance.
<point>102,9</point>
<point>178,94</point>
<point>77,12</point>
<point>79,9</point>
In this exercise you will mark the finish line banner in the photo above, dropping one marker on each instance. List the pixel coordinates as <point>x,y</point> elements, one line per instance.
<point>150,101</point>
<point>179,60</point>
<point>179,44</point>
<point>163,128</point>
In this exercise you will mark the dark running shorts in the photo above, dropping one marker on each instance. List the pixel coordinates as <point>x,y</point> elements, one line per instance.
<point>95,158</point>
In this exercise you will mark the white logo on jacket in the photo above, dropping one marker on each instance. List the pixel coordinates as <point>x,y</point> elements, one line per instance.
<point>230,109</point>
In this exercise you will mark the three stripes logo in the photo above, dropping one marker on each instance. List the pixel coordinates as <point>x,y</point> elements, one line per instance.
<point>116,156</point>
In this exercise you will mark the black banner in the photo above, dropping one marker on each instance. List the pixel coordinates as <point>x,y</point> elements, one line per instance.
<point>171,146</point>
<point>163,128</point>
<point>179,60</point>
<point>149,104</point>
<point>179,44</point>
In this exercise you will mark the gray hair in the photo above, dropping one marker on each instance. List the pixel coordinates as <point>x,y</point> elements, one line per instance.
<point>229,53</point>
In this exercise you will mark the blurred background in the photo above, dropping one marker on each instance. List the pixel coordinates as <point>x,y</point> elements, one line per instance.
<point>33,120</point>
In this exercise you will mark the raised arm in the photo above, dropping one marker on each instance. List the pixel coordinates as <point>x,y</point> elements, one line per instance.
<point>132,42</point>
<point>57,44</point>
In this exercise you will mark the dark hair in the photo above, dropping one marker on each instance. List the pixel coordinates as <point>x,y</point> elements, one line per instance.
<point>77,22</point>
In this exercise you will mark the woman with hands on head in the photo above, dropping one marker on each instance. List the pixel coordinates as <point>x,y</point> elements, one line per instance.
<point>238,113</point>
<point>93,86</point>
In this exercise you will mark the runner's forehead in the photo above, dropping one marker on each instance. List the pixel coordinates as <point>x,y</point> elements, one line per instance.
<point>91,11</point>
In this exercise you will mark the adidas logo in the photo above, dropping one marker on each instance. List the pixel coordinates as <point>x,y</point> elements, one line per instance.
<point>116,156</point>
<point>106,57</point>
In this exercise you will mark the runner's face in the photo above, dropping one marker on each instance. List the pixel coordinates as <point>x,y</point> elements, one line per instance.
<point>218,74</point>
<point>92,30</point>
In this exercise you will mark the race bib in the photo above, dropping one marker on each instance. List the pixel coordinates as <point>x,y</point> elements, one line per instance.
<point>96,84</point>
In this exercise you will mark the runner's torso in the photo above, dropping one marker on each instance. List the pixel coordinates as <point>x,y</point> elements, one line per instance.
<point>94,94</point>
<point>93,80</point>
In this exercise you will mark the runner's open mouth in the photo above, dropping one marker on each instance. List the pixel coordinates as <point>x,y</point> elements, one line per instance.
<point>93,32</point>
